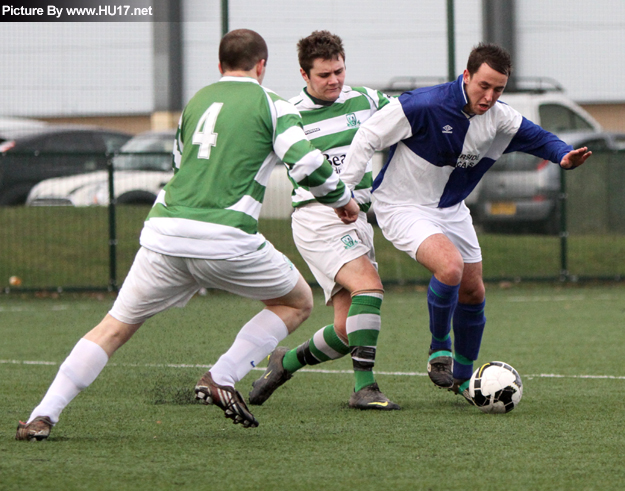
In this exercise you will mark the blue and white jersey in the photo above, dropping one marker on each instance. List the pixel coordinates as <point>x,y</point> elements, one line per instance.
<point>438,153</point>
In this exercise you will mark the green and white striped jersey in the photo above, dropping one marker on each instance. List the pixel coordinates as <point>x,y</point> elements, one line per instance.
<point>331,126</point>
<point>231,136</point>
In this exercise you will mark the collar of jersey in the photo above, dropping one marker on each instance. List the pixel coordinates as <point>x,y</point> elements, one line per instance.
<point>319,102</point>
<point>461,96</point>
<point>238,79</point>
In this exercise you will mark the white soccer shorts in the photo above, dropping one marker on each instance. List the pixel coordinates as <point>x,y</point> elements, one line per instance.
<point>407,226</point>
<point>157,282</point>
<point>326,243</point>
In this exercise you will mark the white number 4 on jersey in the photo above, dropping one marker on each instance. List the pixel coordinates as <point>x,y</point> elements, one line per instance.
<point>204,134</point>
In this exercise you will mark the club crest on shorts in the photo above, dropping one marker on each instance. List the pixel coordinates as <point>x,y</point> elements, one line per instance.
<point>287,261</point>
<point>348,241</point>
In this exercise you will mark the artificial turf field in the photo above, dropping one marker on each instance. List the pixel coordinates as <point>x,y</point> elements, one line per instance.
<point>137,426</point>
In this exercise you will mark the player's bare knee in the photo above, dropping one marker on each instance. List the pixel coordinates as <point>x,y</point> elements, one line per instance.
<point>473,294</point>
<point>111,333</point>
<point>451,273</point>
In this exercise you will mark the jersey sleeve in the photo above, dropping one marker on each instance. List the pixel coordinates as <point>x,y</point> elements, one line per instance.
<point>178,148</point>
<point>385,128</point>
<point>306,165</point>
<point>532,139</point>
<point>377,98</point>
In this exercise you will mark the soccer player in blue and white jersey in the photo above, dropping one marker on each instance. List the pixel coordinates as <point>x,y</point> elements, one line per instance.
<point>443,139</point>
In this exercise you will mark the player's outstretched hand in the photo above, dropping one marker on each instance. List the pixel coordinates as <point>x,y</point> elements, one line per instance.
<point>575,158</point>
<point>349,212</point>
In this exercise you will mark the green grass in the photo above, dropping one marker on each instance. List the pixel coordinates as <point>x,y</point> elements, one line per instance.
<point>68,247</point>
<point>137,427</point>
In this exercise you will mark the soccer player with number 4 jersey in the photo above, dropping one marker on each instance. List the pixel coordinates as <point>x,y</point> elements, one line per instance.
<point>340,256</point>
<point>203,232</point>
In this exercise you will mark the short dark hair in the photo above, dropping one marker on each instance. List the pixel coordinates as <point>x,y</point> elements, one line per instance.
<point>320,44</point>
<point>493,55</point>
<point>241,49</point>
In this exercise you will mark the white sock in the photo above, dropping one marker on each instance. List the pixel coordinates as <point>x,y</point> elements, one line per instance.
<point>76,373</point>
<point>255,341</point>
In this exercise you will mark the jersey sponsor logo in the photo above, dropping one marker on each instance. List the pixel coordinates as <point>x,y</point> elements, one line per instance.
<point>352,120</point>
<point>467,160</point>
<point>448,129</point>
<point>336,161</point>
<point>313,130</point>
<point>348,241</point>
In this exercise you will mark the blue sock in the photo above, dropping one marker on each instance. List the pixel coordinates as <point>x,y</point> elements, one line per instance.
<point>442,300</point>
<point>469,322</point>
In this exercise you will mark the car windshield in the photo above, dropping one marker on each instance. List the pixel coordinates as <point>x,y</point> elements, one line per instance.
<point>159,148</point>
<point>516,161</point>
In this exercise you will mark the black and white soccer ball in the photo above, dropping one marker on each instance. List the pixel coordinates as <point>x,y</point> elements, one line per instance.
<point>496,387</point>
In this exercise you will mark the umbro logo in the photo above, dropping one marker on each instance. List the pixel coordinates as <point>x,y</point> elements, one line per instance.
<point>448,129</point>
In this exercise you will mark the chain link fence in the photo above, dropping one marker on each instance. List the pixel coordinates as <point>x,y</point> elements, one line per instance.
<point>52,244</point>
<point>106,74</point>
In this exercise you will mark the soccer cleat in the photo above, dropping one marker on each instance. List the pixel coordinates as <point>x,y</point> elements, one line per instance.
<point>274,377</point>
<point>440,365</point>
<point>227,399</point>
<point>370,397</point>
<point>38,429</point>
<point>462,387</point>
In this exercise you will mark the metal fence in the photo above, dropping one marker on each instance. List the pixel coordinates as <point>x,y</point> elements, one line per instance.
<point>81,72</point>
<point>69,248</point>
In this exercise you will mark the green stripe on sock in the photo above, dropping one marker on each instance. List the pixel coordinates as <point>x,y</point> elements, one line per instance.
<point>362,309</point>
<point>439,296</point>
<point>364,337</point>
<point>367,300</point>
<point>436,354</point>
<point>290,362</point>
<point>334,342</point>
<point>462,359</point>
<point>441,340</point>
<point>362,380</point>
<point>320,355</point>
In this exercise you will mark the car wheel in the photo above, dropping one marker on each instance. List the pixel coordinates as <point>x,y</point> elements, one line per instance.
<point>136,198</point>
<point>16,195</point>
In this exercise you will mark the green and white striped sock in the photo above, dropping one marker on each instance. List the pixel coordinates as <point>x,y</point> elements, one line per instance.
<point>363,329</point>
<point>323,346</point>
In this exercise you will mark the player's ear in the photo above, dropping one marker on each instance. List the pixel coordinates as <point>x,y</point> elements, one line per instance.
<point>466,76</point>
<point>220,69</point>
<point>261,67</point>
<point>304,75</point>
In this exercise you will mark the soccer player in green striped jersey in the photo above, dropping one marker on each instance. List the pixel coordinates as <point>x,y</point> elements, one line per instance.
<point>340,256</point>
<point>203,232</point>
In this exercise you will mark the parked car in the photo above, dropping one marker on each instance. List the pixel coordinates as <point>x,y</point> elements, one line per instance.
<point>30,153</point>
<point>543,102</point>
<point>11,123</point>
<point>520,193</point>
<point>139,178</point>
<point>141,169</point>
